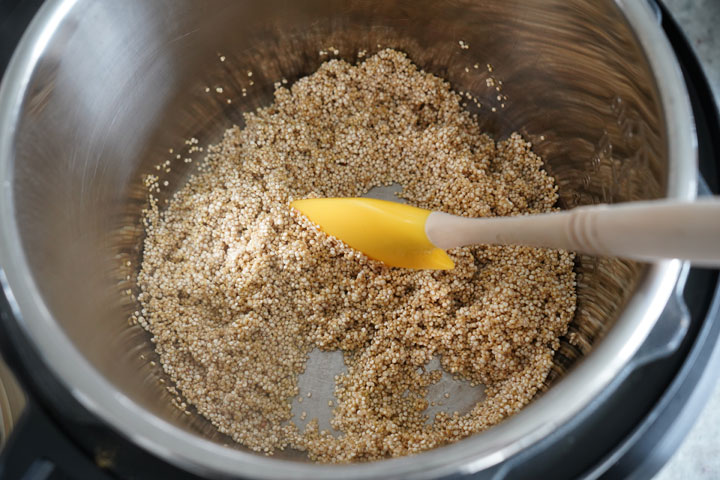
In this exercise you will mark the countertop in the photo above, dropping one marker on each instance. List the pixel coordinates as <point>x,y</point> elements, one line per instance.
<point>699,456</point>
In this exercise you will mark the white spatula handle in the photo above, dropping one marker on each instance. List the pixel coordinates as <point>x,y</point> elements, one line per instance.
<point>639,230</point>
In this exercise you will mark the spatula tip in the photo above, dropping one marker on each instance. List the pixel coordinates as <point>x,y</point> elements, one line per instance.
<point>390,232</point>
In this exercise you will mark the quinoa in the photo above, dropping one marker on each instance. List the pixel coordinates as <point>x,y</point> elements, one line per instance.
<point>236,288</point>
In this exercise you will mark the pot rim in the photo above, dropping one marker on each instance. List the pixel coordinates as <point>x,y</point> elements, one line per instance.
<point>186,450</point>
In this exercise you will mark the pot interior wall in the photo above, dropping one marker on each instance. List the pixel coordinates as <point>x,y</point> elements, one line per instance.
<point>120,83</point>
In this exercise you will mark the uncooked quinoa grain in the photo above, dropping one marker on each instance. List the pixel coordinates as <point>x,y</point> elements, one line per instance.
<point>237,289</point>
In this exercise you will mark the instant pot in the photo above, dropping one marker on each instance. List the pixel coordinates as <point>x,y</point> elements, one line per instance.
<point>98,92</point>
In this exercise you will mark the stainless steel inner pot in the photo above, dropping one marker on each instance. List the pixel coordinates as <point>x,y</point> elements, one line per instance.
<point>98,91</point>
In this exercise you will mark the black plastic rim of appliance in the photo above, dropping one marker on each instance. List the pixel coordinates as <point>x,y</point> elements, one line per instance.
<point>57,438</point>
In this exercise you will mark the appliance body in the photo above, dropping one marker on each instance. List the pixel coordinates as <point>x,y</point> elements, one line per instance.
<point>78,130</point>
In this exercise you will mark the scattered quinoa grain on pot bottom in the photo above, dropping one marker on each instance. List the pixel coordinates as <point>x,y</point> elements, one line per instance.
<point>237,289</point>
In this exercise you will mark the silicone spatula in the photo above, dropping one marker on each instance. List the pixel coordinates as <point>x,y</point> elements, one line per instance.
<point>405,236</point>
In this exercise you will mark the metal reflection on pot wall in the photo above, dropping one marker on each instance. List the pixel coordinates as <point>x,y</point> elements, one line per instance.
<point>115,85</point>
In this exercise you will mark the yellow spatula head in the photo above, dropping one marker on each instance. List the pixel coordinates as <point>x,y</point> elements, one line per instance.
<point>391,232</point>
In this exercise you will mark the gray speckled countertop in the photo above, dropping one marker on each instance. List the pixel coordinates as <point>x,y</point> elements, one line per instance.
<point>699,456</point>
<point>700,19</point>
